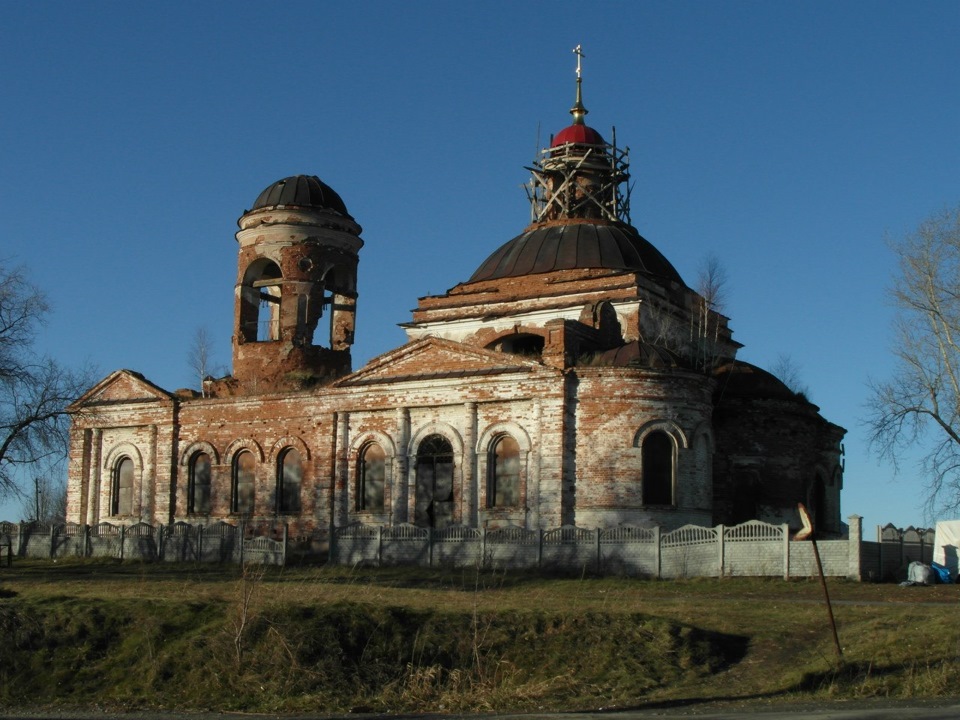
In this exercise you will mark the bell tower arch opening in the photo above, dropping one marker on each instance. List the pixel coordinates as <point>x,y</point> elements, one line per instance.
<point>260,298</point>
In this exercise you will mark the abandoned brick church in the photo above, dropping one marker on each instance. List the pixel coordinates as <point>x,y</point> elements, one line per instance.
<point>573,379</point>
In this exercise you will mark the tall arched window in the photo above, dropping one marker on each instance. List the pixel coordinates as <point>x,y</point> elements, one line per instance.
<point>371,473</point>
<point>434,505</point>
<point>121,500</point>
<point>657,469</point>
<point>289,477</point>
<point>198,489</point>
<point>244,482</point>
<point>503,473</point>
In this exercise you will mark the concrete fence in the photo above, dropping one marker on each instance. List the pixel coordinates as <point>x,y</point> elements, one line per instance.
<point>179,542</point>
<point>751,549</point>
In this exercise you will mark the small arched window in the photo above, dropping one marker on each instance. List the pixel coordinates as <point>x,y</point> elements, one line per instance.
<point>657,469</point>
<point>198,490</point>
<point>503,473</point>
<point>289,477</point>
<point>121,501</point>
<point>371,473</point>
<point>244,477</point>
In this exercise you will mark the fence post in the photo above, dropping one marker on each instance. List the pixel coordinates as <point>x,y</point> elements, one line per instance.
<point>53,541</point>
<point>483,547</point>
<point>785,529</point>
<point>239,531</point>
<point>539,548</point>
<point>720,548</point>
<point>20,539</point>
<point>85,550</point>
<point>160,554</point>
<point>430,546</point>
<point>286,538</point>
<point>656,556</point>
<point>599,558</point>
<point>199,542</point>
<point>380,546</point>
<point>855,548</point>
<point>123,535</point>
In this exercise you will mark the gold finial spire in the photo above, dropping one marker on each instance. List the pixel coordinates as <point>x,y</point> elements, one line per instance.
<point>578,110</point>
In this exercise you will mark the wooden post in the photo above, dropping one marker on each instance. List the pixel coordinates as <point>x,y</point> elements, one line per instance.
<point>808,531</point>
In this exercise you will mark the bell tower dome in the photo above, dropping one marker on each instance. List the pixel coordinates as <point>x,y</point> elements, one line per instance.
<point>296,291</point>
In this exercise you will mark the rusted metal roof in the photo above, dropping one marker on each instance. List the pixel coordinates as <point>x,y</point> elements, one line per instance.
<point>576,246</point>
<point>302,191</point>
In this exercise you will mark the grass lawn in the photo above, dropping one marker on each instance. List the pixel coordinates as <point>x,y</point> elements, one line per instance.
<point>80,634</point>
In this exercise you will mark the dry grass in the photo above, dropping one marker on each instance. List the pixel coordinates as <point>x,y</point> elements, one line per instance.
<point>303,639</point>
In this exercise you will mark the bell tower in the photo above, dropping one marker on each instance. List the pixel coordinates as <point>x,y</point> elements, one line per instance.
<point>296,292</point>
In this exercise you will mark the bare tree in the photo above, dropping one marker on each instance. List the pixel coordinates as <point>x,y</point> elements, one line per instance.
<point>788,372</point>
<point>705,323</point>
<point>46,500</point>
<point>35,391</point>
<point>200,356</point>
<point>918,409</point>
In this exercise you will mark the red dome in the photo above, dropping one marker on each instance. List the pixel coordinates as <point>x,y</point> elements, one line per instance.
<point>577,133</point>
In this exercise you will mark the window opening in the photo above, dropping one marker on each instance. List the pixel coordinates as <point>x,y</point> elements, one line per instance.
<point>122,500</point>
<point>244,475</point>
<point>503,489</point>
<point>371,473</point>
<point>434,502</point>
<point>289,478</point>
<point>657,469</point>
<point>198,500</point>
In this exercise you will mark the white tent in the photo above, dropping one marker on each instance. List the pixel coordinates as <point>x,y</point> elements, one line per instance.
<point>946,545</point>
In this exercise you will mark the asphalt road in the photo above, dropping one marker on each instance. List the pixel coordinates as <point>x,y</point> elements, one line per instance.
<point>937,709</point>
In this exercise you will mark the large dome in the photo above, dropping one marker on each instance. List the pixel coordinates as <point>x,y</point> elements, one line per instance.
<point>302,191</point>
<point>572,246</point>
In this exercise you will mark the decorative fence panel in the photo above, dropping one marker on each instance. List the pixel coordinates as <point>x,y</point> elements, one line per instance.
<point>691,551</point>
<point>571,549</point>
<point>457,546</point>
<point>631,551</point>
<point>754,548</point>
<point>404,544</point>
<point>511,547</point>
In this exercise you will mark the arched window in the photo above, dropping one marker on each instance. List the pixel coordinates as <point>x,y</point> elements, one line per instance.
<point>244,476</point>
<point>289,476</point>
<point>121,501</point>
<point>657,469</point>
<point>198,487</point>
<point>434,505</point>
<point>503,473</point>
<point>371,472</point>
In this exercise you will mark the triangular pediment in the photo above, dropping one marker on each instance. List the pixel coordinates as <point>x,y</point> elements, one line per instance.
<point>123,386</point>
<point>431,358</point>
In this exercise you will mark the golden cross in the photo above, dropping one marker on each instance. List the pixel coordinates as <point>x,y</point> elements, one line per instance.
<point>579,53</point>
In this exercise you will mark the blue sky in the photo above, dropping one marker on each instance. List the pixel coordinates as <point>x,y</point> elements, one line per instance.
<point>790,140</point>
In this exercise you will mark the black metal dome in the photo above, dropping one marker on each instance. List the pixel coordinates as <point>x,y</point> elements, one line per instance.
<point>302,191</point>
<point>551,247</point>
<point>640,354</point>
